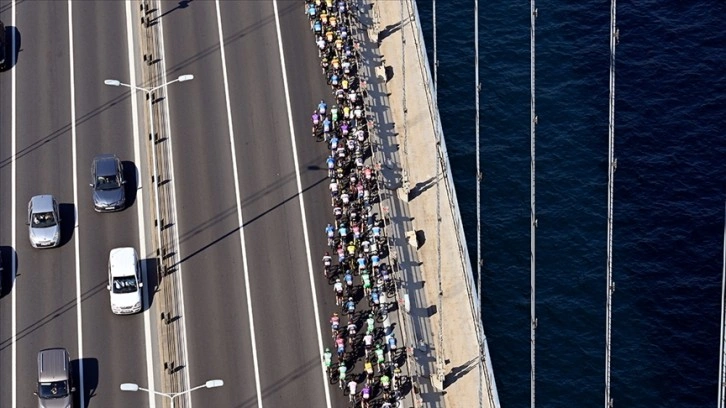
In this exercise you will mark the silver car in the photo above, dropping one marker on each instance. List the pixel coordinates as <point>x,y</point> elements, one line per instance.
<point>107,182</point>
<point>43,222</point>
<point>55,382</point>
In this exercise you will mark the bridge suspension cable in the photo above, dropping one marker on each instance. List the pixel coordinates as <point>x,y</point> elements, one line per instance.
<point>722,356</point>
<point>612,165</point>
<point>477,91</point>
<point>532,213</point>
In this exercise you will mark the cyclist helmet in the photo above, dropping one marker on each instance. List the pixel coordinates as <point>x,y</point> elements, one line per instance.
<point>327,350</point>
<point>337,280</point>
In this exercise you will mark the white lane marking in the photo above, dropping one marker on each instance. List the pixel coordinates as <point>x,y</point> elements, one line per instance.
<point>13,217</point>
<point>238,196</point>
<point>302,202</point>
<point>140,203</point>
<point>76,230</point>
<point>178,274</point>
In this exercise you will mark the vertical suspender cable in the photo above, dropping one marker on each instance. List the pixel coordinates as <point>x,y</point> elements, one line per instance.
<point>722,360</point>
<point>477,90</point>
<point>612,165</point>
<point>436,58</point>
<point>532,214</point>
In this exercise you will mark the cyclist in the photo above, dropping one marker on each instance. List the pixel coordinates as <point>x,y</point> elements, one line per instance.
<point>343,230</point>
<point>365,394</point>
<point>337,213</point>
<point>334,324</point>
<point>386,384</point>
<point>330,233</point>
<point>352,329</point>
<point>376,231</point>
<point>350,307</point>
<point>379,357</point>
<point>322,107</point>
<point>340,346</point>
<point>392,346</point>
<point>311,11</point>
<point>327,262</point>
<point>327,359</point>
<point>334,143</point>
<point>334,113</point>
<point>368,368</point>
<point>351,248</point>
<point>338,289</point>
<point>352,390</point>
<point>368,343</point>
<point>326,125</point>
<point>375,261</point>
<point>342,370</point>
<point>349,281</point>
<point>375,299</point>
<point>341,253</point>
<point>396,376</point>
<point>345,198</point>
<point>370,324</point>
<point>330,162</point>
<point>366,282</point>
<point>361,263</point>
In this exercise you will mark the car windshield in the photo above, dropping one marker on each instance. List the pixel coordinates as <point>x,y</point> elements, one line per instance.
<point>56,389</point>
<point>107,183</point>
<point>124,284</point>
<point>43,220</point>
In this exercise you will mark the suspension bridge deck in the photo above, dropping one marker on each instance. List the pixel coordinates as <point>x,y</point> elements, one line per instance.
<point>443,326</point>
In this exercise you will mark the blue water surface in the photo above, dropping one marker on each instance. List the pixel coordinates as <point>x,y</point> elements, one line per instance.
<point>669,192</point>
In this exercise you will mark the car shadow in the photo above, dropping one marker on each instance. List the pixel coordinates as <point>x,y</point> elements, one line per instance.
<point>152,280</point>
<point>90,380</point>
<point>67,212</point>
<point>132,182</point>
<point>12,47</point>
<point>8,269</point>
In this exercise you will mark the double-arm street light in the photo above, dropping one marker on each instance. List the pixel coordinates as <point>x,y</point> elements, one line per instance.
<point>150,97</point>
<point>171,395</point>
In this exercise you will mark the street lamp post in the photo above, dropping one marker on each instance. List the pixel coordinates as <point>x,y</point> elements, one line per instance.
<point>150,97</point>
<point>171,395</point>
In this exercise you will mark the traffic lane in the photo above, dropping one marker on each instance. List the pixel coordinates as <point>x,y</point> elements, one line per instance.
<point>114,345</point>
<point>308,87</point>
<point>7,251</point>
<point>217,327</point>
<point>45,286</point>
<point>288,348</point>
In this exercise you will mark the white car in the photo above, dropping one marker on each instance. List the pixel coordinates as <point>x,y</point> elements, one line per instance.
<point>124,281</point>
<point>43,222</point>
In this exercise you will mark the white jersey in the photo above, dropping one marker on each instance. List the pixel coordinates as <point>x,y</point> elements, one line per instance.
<point>338,287</point>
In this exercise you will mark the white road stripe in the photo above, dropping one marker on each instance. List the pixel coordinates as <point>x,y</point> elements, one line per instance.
<point>76,230</point>
<point>238,196</point>
<point>13,216</point>
<point>302,202</point>
<point>178,274</point>
<point>140,203</point>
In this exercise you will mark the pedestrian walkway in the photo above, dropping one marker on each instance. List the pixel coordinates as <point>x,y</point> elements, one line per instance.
<point>442,327</point>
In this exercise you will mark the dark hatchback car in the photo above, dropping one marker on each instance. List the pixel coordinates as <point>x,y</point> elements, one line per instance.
<point>107,182</point>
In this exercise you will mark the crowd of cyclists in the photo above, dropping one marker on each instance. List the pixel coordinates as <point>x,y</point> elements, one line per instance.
<point>363,358</point>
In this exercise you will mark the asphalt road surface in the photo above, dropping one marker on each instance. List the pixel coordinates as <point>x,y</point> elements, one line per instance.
<point>249,243</point>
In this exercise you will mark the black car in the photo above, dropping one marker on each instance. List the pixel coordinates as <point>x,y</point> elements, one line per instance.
<point>107,182</point>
